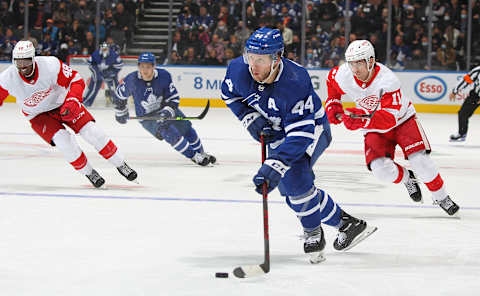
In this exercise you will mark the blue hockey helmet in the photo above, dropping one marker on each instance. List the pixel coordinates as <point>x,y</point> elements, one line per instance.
<point>146,57</point>
<point>265,41</point>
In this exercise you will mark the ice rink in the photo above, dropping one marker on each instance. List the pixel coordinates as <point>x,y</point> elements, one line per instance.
<point>169,234</point>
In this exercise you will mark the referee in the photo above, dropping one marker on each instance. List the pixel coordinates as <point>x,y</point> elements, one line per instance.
<point>470,104</point>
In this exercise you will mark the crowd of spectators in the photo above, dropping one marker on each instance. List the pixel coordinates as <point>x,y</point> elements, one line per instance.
<point>63,28</point>
<point>211,32</point>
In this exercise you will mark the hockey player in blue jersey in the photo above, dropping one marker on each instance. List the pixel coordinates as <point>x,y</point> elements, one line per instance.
<point>104,63</point>
<point>273,95</point>
<point>155,94</point>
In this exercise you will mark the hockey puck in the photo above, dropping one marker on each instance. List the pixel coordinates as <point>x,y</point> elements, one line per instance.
<point>221,274</point>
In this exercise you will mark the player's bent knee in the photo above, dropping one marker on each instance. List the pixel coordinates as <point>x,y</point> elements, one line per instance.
<point>423,166</point>
<point>170,134</point>
<point>65,142</point>
<point>94,135</point>
<point>384,169</point>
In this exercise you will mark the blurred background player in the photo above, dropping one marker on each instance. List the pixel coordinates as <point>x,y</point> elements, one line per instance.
<point>377,90</point>
<point>470,104</point>
<point>153,93</point>
<point>50,95</point>
<point>104,63</point>
<point>274,95</point>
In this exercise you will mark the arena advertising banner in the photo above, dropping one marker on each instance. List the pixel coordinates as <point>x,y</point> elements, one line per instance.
<point>428,90</point>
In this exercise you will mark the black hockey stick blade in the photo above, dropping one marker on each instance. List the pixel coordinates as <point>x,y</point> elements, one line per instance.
<point>201,116</point>
<point>249,271</point>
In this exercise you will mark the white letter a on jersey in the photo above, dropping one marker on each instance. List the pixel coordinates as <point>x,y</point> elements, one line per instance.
<point>271,104</point>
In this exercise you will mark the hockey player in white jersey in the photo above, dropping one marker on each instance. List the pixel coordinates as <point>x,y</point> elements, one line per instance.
<point>388,118</point>
<point>50,95</point>
<point>275,96</point>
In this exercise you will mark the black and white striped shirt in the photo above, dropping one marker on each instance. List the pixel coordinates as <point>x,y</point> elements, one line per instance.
<point>473,77</point>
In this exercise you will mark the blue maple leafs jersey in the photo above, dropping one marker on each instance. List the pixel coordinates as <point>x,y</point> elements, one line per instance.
<point>149,96</point>
<point>109,66</point>
<point>289,103</point>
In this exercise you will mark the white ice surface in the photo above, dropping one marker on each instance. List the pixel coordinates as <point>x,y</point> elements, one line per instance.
<point>170,234</point>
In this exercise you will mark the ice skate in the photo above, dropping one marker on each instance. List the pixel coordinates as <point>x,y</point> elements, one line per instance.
<point>314,245</point>
<point>352,232</point>
<point>448,205</point>
<point>127,172</point>
<point>458,138</point>
<point>212,159</point>
<point>201,159</point>
<point>413,188</point>
<point>95,178</point>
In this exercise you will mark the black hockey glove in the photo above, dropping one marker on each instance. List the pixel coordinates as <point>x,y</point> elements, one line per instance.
<point>121,110</point>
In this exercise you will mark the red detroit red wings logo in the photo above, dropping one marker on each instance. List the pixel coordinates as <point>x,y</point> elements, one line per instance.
<point>37,97</point>
<point>368,103</point>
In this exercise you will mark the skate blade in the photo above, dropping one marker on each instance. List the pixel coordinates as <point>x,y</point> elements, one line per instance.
<point>103,187</point>
<point>369,230</point>
<point>135,181</point>
<point>316,257</point>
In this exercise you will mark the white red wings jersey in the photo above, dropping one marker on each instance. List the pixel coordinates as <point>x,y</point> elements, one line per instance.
<point>394,109</point>
<point>52,83</point>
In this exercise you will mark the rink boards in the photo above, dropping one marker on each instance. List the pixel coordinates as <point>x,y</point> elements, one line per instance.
<point>428,90</point>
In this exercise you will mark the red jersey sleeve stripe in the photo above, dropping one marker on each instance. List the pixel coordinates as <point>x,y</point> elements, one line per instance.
<point>3,95</point>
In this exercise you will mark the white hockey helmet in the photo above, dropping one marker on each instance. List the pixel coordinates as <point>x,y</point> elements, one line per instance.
<point>24,49</point>
<point>359,50</point>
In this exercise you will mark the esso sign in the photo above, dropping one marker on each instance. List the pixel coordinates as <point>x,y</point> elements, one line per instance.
<point>430,88</point>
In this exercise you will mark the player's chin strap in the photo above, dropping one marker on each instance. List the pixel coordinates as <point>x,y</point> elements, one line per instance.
<point>370,69</point>
<point>272,70</point>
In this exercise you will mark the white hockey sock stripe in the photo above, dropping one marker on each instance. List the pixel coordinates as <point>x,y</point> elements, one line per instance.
<point>303,200</point>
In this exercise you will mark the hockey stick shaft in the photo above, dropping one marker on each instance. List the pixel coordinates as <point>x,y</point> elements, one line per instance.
<point>254,270</point>
<point>266,237</point>
<point>201,116</point>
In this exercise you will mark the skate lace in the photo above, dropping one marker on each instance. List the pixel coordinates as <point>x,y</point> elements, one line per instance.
<point>125,169</point>
<point>411,186</point>
<point>311,238</point>
<point>94,176</point>
<point>199,157</point>
<point>446,203</point>
<point>341,237</point>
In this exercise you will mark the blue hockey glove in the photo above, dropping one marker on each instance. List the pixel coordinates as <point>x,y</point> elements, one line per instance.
<point>270,172</point>
<point>166,112</point>
<point>255,123</point>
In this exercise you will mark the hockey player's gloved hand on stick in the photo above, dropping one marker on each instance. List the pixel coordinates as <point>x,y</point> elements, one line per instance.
<point>270,135</point>
<point>121,115</point>
<point>165,113</point>
<point>70,109</point>
<point>334,111</point>
<point>255,123</point>
<point>270,172</point>
<point>353,123</point>
<point>121,110</point>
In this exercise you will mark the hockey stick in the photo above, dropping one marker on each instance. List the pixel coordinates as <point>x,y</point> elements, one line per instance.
<point>369,115</point>
<point>201,116</point>
<point>255,270</point>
